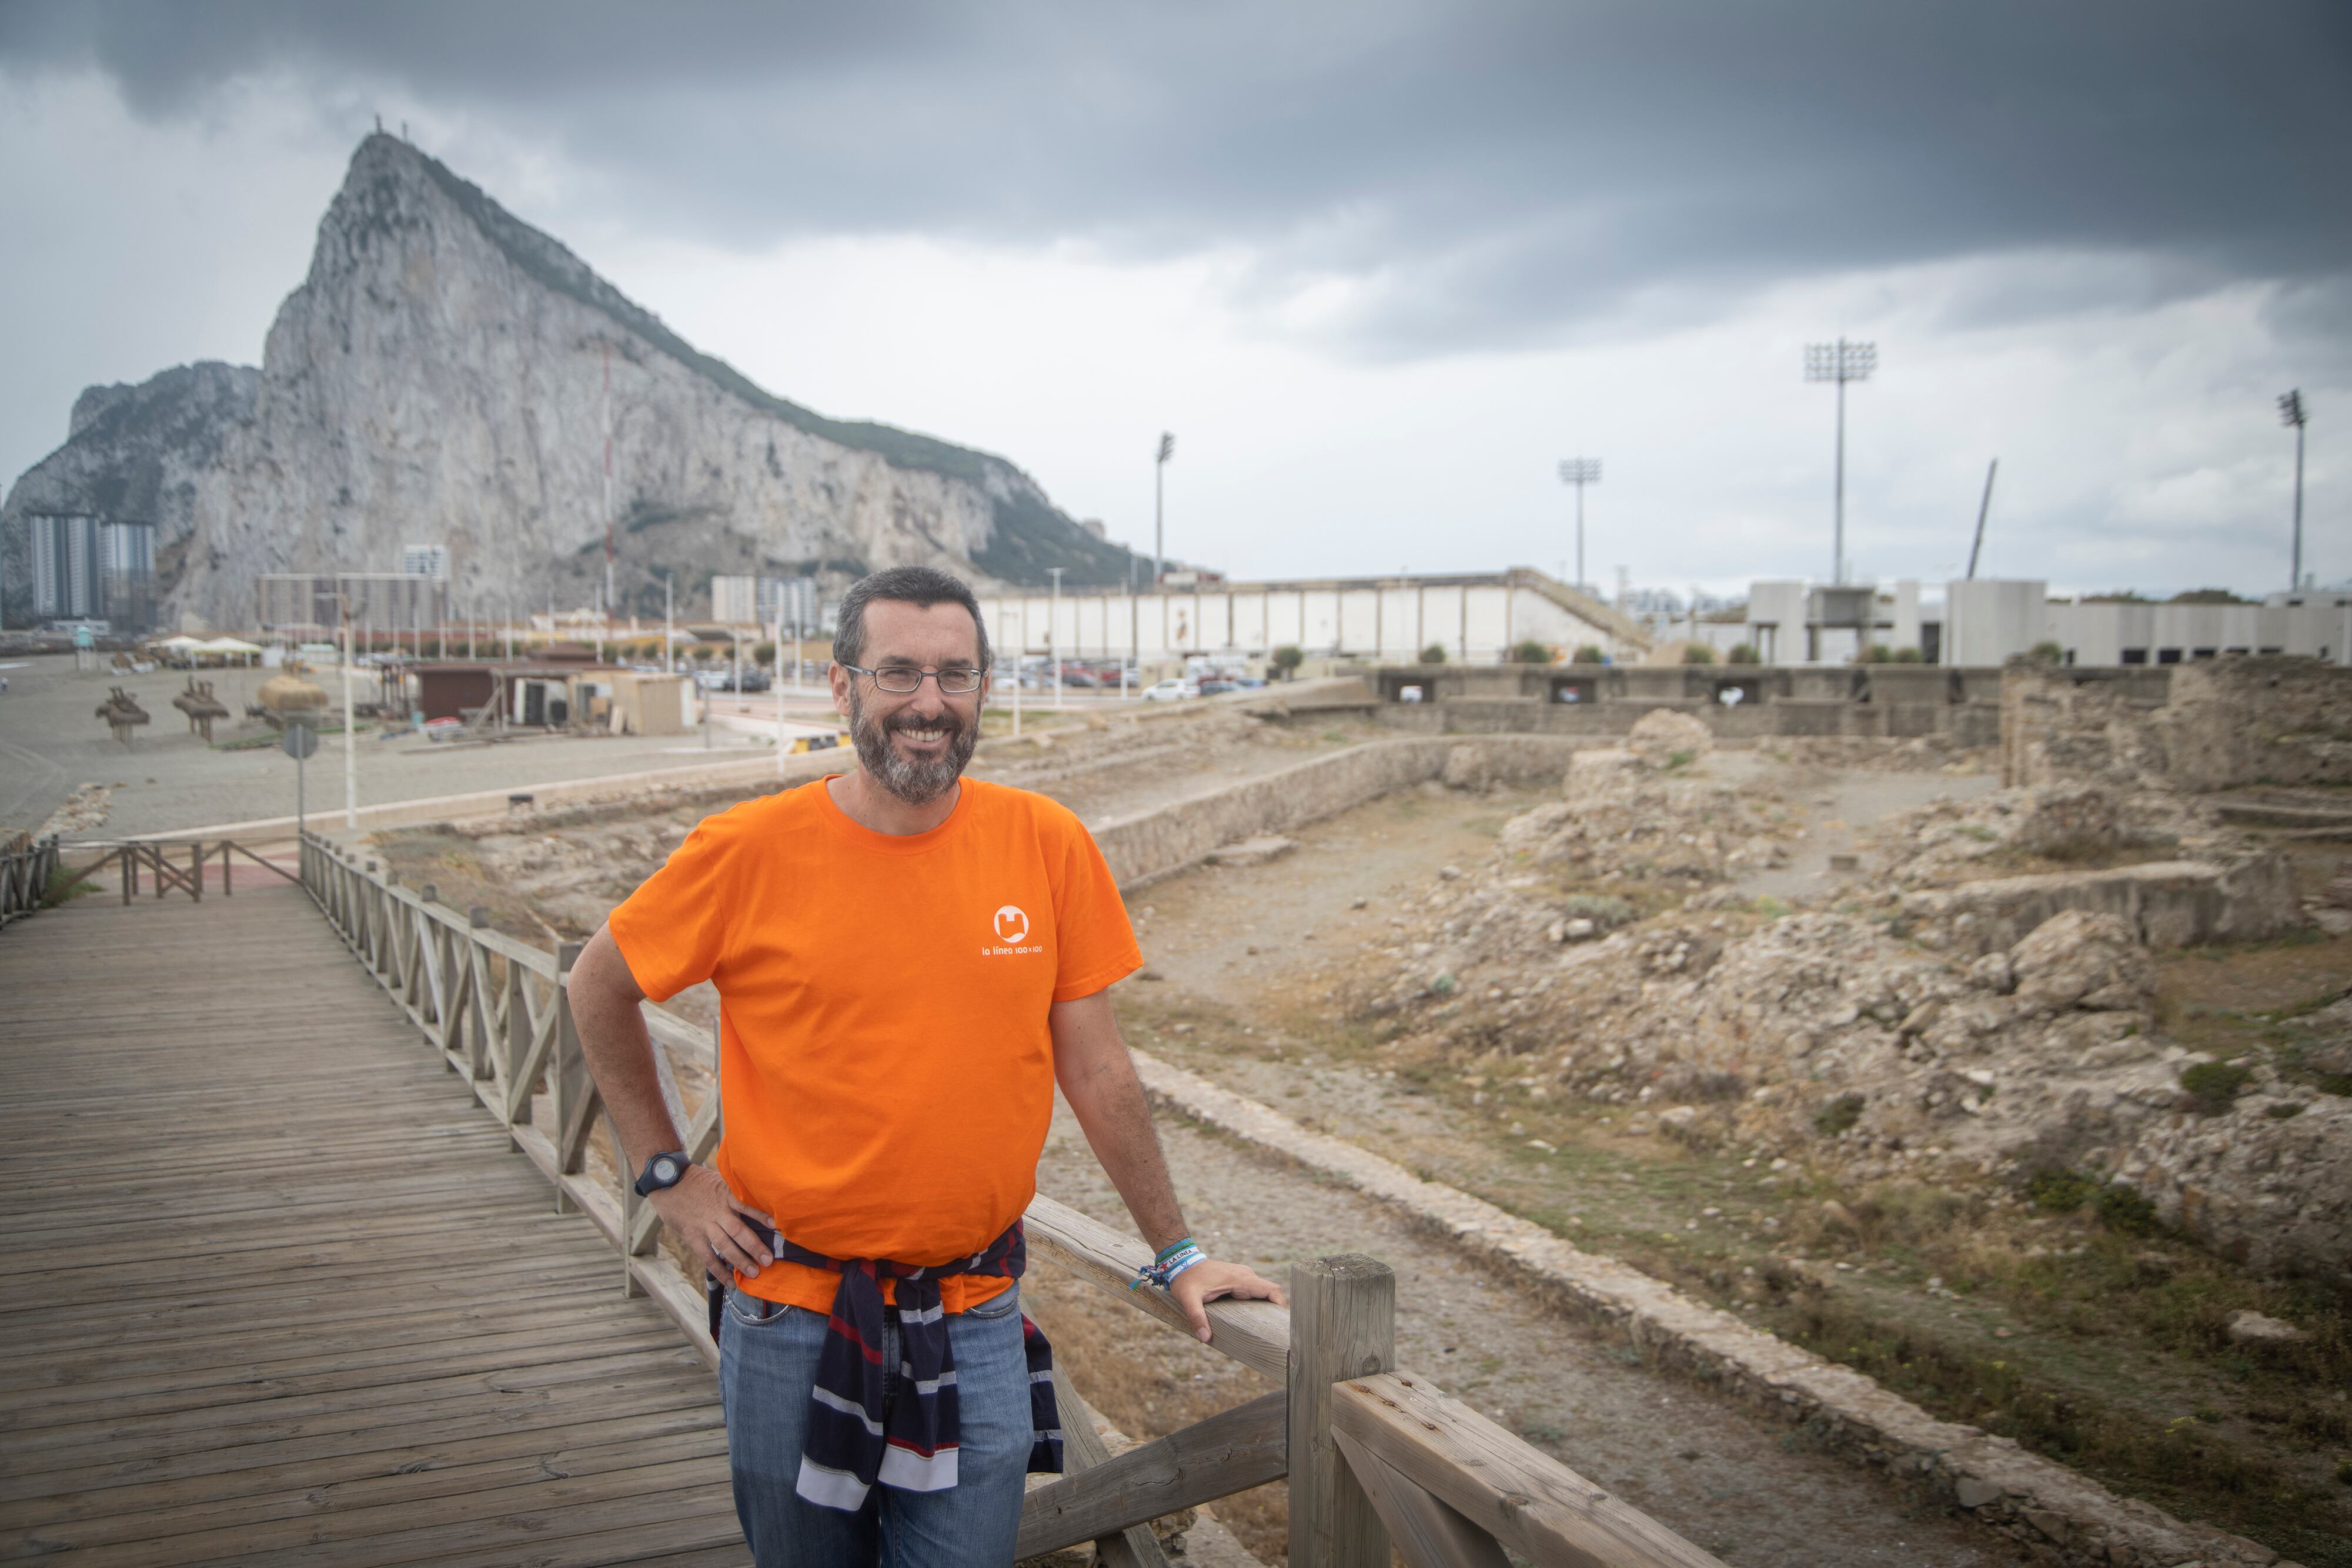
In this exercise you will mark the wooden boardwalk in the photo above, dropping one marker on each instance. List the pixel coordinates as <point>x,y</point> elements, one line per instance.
<point>282,1293</point>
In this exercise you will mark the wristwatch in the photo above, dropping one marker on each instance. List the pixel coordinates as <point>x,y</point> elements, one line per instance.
<point>663,1171</point>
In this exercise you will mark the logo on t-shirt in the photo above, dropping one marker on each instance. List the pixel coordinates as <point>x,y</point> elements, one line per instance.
<point>1011,925</point>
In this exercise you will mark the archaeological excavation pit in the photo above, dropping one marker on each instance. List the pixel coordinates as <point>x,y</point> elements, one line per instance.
<point>2028,1103</point>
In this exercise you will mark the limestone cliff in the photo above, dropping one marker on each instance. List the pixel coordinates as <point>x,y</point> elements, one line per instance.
<point>440,377</point>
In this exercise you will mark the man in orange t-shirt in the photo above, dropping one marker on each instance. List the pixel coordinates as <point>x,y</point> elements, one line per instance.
<point>907,962</point>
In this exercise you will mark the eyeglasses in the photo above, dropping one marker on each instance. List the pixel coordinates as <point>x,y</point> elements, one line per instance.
<point>899,681</point>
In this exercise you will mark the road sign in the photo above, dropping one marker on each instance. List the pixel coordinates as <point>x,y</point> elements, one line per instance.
<point>299,740</point>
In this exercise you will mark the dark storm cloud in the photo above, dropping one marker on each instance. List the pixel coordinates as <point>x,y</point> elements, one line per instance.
<point>1477,174</point>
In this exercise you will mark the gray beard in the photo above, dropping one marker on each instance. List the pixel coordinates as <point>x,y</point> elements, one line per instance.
<point>916,783</point>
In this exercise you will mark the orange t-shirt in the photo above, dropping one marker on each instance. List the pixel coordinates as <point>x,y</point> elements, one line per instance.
<point>886,1069</point>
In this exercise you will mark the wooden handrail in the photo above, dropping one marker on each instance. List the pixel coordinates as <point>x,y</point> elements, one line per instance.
<point>1372,1456</point>
<point>1255,1333</point>
<point>1229,1452</point>
<point>1395,1426</point>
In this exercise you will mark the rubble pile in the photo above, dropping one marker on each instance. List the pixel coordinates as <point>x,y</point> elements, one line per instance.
<point>86,808</point>
<point>2043,826</point>
<point>1043,758</point>
<point>574,878</point>
<point>1665,809</point>
<point>1831,1035</point>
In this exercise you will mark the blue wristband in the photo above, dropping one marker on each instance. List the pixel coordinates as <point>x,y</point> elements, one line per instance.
<point>1163,1269</point>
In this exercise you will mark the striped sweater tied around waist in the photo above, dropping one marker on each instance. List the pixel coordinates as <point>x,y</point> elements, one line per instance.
<point>861,1430</point>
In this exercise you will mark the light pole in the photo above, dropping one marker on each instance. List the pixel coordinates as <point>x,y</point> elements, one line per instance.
<point>780,695</point>
<point>1020,651</point>
<point>350,725</point>
<point>1579,472</point>
<point>2292,411</point>
<point>1054,632</point>
<point>1159,488</point>
<point>1841,363</point>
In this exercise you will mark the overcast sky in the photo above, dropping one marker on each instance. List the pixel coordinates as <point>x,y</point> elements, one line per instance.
<point>1379,264</point>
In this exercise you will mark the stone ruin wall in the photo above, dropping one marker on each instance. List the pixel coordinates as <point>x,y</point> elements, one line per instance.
<point>2214,725</point>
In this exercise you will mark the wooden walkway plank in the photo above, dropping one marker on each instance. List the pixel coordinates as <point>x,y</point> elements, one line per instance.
<point>421,1436</point>
<point>313,1483</point>
<point>280,1292</point>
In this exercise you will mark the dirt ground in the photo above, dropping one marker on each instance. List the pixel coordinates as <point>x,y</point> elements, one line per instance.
<point>1748,1490</point>
<point>2098,1343</point>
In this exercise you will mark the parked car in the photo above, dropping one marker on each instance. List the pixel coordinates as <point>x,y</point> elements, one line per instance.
<point>1173,689</point>
<point>1217,684</point>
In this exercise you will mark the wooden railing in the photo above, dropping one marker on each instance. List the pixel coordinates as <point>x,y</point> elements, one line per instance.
<point>26,868</point>
<point>1372,1457</point>
<point>154,859</point>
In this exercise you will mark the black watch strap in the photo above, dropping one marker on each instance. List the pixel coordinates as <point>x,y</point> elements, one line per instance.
<point>664,1170</point>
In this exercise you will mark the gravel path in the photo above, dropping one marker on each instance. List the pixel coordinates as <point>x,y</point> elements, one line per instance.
<point>1747,1488</point>
<point>1833,816</point>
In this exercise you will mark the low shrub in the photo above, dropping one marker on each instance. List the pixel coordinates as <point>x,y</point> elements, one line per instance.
<point>1605,911</point>
<point>2060,1191</point>
<point>1838,1115</point>
<point>2213,1086</point>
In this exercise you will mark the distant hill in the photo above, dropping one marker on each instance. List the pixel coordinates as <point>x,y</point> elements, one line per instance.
<point>439,378</point>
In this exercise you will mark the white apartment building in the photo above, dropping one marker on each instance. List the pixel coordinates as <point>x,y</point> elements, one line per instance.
<point>746,600</point>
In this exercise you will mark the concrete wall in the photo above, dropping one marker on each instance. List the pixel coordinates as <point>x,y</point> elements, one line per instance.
<point>1144,848</point>
<point>1886,701</point>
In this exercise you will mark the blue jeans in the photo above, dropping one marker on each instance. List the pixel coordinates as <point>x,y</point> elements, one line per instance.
<point>767,1365</point>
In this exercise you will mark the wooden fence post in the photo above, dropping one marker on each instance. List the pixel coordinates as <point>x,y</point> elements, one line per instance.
<point>477,993</point>
<point>568,1069</point>
<point>1342,1324</point>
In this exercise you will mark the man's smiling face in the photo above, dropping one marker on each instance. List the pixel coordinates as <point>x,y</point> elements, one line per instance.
<point>913,745</point>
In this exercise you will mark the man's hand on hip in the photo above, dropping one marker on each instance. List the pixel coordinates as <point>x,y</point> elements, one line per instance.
<point>1209,1281</point>
<point>703,1210</point>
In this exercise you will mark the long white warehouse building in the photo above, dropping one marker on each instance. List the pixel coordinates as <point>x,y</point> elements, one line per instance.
<point>1476,619</point>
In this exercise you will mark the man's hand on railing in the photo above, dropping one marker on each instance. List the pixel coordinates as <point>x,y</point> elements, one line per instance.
<point>702,1210</point>
<point>1209,1281</point>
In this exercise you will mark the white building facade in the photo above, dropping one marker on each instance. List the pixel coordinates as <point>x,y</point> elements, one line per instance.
<point>1985,620</point>
<point>1475,619</point>
<point>746,600</point>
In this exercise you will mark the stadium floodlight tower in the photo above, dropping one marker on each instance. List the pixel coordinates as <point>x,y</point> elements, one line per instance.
<point>1579,472</point>
<point>2291,411</point>
<point>1841,363</point>
<point>1159,510</point>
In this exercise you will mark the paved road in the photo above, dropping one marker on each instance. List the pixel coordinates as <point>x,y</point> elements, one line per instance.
<point>50,741</point>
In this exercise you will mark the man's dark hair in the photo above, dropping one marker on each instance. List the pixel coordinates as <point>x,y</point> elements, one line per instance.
<point>920,586</point>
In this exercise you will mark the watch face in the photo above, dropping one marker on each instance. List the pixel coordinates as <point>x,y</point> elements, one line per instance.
<point>665,1170</point>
